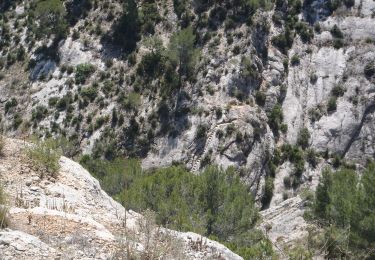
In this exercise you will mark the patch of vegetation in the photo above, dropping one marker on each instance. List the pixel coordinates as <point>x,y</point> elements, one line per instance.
<point>344,206</point>
<point>260,98</point>
<point>332,104</point>
<point>51,18</point>
<point>39,113</point>
<point>45,156</point>
<point>2,145</point>
<point>336,32</point>
<point>214,204</point>
<point>295,60</point>
<point>275,118</point>
<point>10,104</point>
<point>82,72</point>
<point>303,138</point>
<point>183,53</point>
<point>4,221</point>
<point>89,93</point>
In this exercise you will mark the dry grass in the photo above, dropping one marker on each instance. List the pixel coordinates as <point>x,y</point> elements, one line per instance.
<point>45,157</point>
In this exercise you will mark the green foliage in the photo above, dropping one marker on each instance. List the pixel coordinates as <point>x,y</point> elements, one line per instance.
<point>4,221</point>
<point>345,204</point>
<point>45,156</point>
<point>295,60</point>
<point>39,113</point>
<point>2,145</point>
<point>303,138</point>
<point>89,93</point>
<point>336,32</point>
<point>260,98</point>
<point>201,131</point>
<point>214,203</point>
<point>51,18</point>
<point>115,176</point>
<point>338,90</point>
<point>183,53</point>
<point>83,71</point>
<point>10,104</point>
<point>332,104</point>
<point>275,118</point>
<point>268,191</point>
<point>132,101</point>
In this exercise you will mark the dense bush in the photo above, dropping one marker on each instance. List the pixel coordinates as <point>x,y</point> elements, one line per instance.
<point>275,118</point>
<point>39,113</point>
<point>83,71</point>
<point>344,204</point>
<point>51,17</point>
<point>89,93</point>
<point>9,104</point>
<point>183,53</point>
<point>332,104</point>
<point>303,138</point>
<point>214,203</point>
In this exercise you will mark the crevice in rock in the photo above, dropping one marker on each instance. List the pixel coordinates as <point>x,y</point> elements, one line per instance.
<point>369,110</point>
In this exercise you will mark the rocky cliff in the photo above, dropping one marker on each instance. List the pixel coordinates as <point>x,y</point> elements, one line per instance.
<point>280,96</point>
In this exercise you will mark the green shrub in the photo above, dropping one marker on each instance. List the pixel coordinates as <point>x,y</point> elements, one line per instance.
<point>303,138</point>
<point>312,157</point>
<point>39,113</point>
<point>336,32</point>
<point>332,104</point>
<point>201,131</point>
<point>4,221</point>
<point>338,90</point>
<point>83,71</point>
<point>51,18</point>
<point>2,145</point>
<point>89,93</point>
<point>268,191</point>
<point>132,101</point>
<point>260,98</point>
<point>10,104</point>
<point>338,43</point>
<point>214,203</point>
<point>295,60</point>
<point>45,156</point>
<point>183,52</point>
<point>345,203</point>
<point>17,121</point>
<point>275,118</point>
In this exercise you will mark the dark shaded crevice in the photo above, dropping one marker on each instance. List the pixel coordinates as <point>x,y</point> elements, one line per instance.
<point>369,110</point>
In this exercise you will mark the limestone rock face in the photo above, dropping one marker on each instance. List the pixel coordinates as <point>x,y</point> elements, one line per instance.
<point>71,217</point>
<point>221,117</point>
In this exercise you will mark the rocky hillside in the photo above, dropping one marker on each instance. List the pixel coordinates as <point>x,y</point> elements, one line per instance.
<point>71,217</point>
<point>278,90</point>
